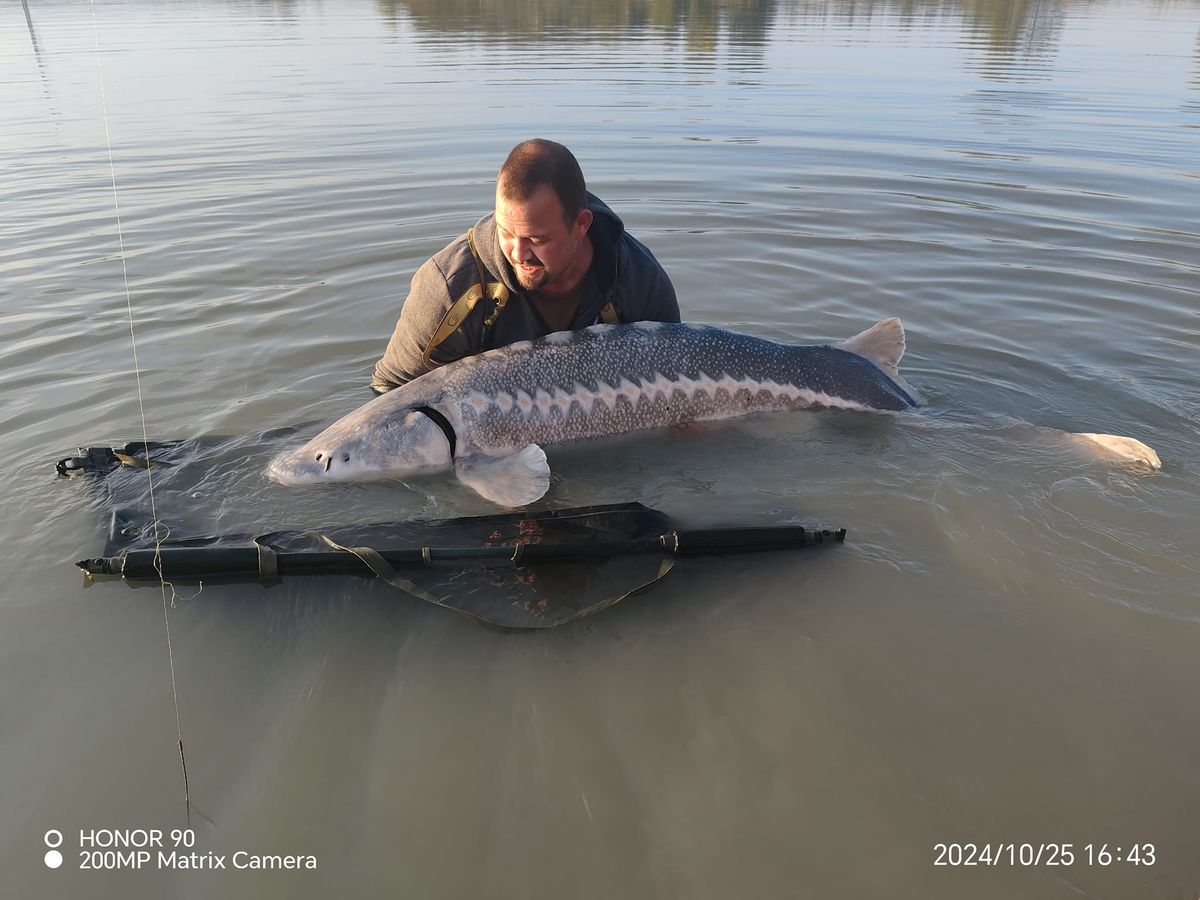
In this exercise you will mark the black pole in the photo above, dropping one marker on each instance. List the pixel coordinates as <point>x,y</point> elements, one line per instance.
<point>243,562</point>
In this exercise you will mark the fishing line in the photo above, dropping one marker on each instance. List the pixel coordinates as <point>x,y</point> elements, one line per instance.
<point>137,374</point>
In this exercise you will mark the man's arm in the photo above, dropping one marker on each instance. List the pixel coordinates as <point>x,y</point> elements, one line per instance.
<point>648,293</point>
<point>655,298</point>
<point>664,306</point>
<point>427,301</point>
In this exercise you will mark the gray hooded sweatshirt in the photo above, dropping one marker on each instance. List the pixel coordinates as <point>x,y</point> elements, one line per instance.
<point>623,271</point>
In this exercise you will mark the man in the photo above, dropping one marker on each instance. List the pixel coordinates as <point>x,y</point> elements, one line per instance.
<point>552,257</point>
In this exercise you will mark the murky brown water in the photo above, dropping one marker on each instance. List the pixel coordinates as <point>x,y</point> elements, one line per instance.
<point>1003,651</point>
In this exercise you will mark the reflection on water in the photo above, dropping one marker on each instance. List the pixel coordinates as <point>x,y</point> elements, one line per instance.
<point>701,22</point>
<point>1019,39</point>
<point>1006,24</point>
<point>1017,25</point>
<point>1011,40</point>
<point>1010,33</point>
<point>1194,84</point>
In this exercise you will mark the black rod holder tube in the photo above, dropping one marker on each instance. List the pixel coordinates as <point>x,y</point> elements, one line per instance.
<point>242,562</point>
<point>748,540</point>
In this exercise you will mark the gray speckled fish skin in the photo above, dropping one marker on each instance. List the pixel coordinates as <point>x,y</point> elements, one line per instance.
<point>604,380</point>
<point>615,379</point>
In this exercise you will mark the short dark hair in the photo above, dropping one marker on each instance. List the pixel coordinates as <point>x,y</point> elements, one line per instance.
<point>538,162</point>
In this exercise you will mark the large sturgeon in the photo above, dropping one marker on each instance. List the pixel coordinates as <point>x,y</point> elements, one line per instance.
<point>487,416</point>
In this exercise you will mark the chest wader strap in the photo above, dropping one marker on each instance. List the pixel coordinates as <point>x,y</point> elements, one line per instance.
<point>461,308</point>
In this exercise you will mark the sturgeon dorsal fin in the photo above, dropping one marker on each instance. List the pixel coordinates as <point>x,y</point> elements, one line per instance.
<point>882,344</point>
<point>514,480</point>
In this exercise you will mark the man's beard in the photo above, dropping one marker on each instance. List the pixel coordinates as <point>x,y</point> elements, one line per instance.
<point>531,280</point>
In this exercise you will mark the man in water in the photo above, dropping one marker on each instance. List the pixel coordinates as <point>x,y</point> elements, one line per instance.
<point>552,257</point>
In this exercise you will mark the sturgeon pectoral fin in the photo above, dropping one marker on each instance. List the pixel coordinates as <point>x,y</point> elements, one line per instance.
<point>515,480</point>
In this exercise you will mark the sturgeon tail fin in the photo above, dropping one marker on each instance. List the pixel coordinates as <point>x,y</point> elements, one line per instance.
<point>882,344</point>
<point>1118,447</point>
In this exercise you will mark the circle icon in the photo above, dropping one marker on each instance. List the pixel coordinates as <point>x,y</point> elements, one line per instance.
<point>53,859</point>
<point>53,838</point>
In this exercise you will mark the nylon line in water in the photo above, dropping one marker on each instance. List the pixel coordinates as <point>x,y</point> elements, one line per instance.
<point>137,374</point>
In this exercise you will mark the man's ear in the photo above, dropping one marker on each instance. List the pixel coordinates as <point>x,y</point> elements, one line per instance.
<point>583,222</point>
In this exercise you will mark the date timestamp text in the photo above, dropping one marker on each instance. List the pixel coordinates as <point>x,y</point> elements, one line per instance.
<point>1049,854</point>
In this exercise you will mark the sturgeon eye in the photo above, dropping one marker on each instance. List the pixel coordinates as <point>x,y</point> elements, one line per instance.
<point>345,457</point>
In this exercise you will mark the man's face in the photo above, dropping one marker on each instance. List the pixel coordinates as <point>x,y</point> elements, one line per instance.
<point>539,244</point>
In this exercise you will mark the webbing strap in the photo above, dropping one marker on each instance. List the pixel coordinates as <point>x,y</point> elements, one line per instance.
<point>386,572</point>
<point>480,271</point>
<point>268,564</point>
<point>461,308</point>
<point>495,289</point>
<point>664,567</point>
<point>139,462</point>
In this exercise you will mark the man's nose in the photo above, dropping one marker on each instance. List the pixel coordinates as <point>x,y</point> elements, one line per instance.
<point>522,250</point>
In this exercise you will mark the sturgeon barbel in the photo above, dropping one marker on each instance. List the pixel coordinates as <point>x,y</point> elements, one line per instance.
<point>487,416</point>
